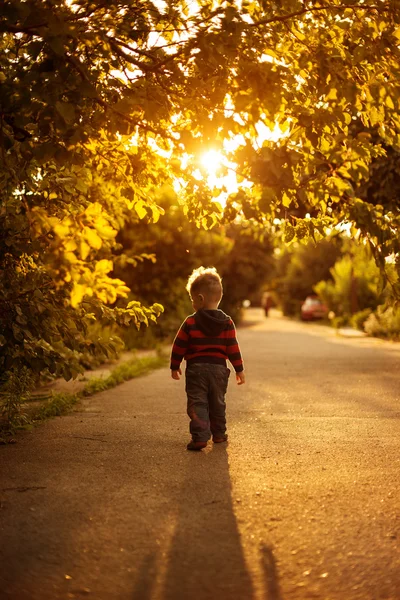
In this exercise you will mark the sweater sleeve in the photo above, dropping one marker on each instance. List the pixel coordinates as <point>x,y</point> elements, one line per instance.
<point>233,350</point>
<point>179,347</point>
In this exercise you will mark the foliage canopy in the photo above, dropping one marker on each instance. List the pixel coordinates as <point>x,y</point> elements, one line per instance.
<point>104,103</point>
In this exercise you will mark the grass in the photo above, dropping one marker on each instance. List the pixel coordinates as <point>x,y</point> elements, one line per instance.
<point>62,403</point>
<point>125,371</point>
<point>55,406</point>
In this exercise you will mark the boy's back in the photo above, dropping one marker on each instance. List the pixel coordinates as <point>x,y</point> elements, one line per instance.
<point>207,336</point>
<point>206,340</point>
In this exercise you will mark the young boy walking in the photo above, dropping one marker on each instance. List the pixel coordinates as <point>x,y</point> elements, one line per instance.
<point>206,340</point>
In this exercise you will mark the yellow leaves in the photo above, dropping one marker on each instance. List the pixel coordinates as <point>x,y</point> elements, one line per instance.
<point>156,211</point>
<point>338,187</point>
<point>101,229</point>
<point>389,102</point>
<point>286,200</point>
<point>108,295</point>
<point>77,294</point>
<point>70,246</point>
<point>288,232</point>
<point>140,209</point>
<point>94,210</point>
<point>84,249</point>
<point>332,95</point>
<point>376,115</point>
<point>129,203</point>
<point>105,230</point>
<point>270,53</point>
<point>324,145</point>
<point>70,257</point>
<point>61,230</point>
<point>92,238</point>
<point>122,291</point>
<point>60,227</point>
<point>299,35</point>
<point>347,118</point>
<point>140,314</point>
<point>95,282</point>
<point>103,266</point>
<point>396,33</point>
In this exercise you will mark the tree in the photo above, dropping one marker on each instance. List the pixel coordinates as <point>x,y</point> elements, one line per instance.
<point>169,250</point>
<point>103,103</point>
<point>246,268</point>
<point>174,247</point>
<point>300,268</point>
<point>354,283</point>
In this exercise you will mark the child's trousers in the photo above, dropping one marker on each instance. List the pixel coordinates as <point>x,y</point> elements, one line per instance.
<point>206,386</point>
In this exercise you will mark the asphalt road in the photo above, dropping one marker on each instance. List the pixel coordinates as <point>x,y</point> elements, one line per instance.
<point>304,502</point>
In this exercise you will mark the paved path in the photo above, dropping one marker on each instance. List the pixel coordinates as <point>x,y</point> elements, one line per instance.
<point>304,503</point>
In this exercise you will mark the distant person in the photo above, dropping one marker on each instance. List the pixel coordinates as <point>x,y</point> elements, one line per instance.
<point>266,302</point>
<point>206,340</point>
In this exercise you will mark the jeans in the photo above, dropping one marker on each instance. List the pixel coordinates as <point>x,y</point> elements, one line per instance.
<point>206,386</point>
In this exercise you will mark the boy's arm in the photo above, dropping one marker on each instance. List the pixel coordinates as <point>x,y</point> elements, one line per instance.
<point>178,352</point>
<point>234,353</point>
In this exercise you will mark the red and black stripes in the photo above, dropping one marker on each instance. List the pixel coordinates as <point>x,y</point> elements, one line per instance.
<point>193,345</point>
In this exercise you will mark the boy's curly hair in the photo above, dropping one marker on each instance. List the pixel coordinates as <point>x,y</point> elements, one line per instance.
<point>205,281</point>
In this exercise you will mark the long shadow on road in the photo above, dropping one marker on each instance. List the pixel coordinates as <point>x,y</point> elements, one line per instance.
<point>205,559</point>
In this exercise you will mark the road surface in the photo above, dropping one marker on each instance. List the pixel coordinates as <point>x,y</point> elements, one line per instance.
<point>304,502</point>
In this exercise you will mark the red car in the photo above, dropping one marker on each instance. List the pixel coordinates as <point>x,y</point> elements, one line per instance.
<point>312,308</point>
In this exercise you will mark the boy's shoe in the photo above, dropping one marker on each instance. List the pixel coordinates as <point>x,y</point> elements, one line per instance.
<point>220,439</point>
<point>196,445</point>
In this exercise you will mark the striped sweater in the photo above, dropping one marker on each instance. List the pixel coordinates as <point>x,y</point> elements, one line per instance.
<point>207,336</point>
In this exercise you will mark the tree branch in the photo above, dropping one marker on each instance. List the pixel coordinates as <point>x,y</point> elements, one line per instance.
<point>313,9</point>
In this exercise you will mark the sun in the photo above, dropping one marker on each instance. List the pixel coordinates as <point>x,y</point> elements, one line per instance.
<point>219,173</point>
<point>211,161</point>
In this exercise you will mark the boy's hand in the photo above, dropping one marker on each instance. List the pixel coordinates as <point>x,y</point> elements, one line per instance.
<point>176,374</point>
<point>240,378</point>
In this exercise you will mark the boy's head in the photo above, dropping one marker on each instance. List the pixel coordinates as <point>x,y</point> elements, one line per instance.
<point>205,288</point>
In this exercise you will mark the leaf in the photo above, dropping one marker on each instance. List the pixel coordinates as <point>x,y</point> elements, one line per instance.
<point>67,111</point>
<point>104,229</point>
<point>289,233</point>
<point>61,229</point>
<point>92,238</point>
<point>77,294</point>
<point>141,211</point>
<point>332,95</point>
<point>389,102</point>
<point>84,249</point>
<point>70,246</point>
<point>104,266</point>
<point>286,200</point>
<point>375,116</point>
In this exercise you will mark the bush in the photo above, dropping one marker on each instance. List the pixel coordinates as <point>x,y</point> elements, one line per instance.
<point>338,322</point>
<point>358,319</point>
<point>299,269</point>
<point>385,323</point>
<point>354,288</point>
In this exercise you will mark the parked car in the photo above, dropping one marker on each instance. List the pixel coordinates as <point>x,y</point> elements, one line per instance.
<point>312,308</point>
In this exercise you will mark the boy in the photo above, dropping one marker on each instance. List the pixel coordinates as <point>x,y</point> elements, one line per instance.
<point>206,339</point>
